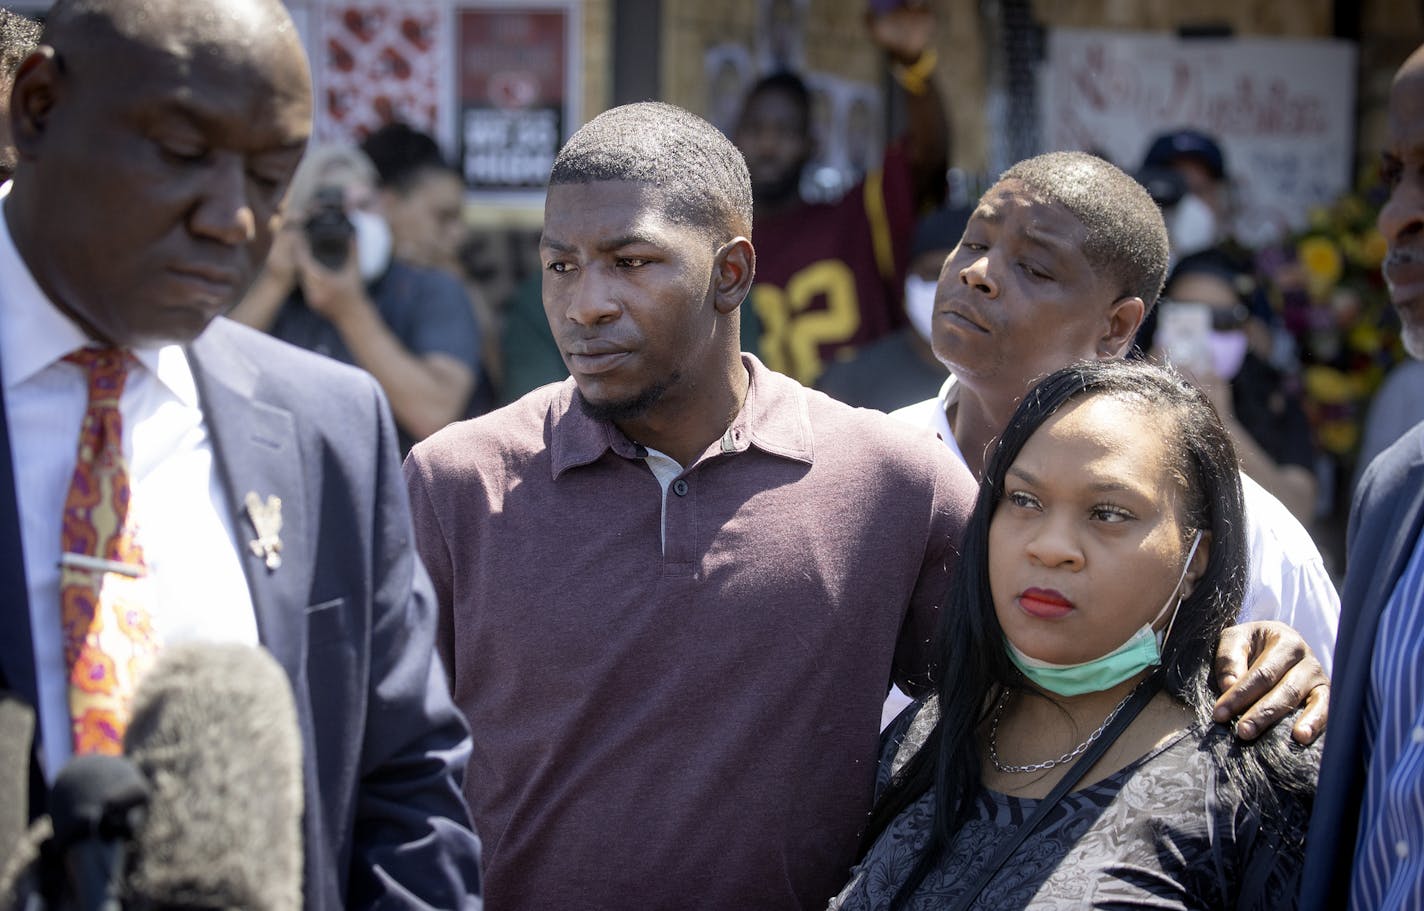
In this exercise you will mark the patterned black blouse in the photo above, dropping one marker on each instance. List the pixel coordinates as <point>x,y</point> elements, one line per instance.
<point>1164,832</point>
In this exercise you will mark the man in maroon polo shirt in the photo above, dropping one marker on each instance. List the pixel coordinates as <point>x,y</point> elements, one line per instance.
<point>674,588</point>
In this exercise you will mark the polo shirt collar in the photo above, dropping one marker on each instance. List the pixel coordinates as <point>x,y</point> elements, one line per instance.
<point>774,418</point>
<point>575,439</point>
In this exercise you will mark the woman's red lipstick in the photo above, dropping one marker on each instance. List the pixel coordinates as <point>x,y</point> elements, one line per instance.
<point>1044,603</point>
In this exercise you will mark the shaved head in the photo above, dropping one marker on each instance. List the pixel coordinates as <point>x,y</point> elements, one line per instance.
<point>156,140</point>
<point>18,37</point>
<point>228,20</point>
<point>1413,64</point>
<point>236,30</point>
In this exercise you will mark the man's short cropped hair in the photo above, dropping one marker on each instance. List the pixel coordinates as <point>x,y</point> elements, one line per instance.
<point>702,176</point>
<point>19,35</point>
<point>1126,236</point>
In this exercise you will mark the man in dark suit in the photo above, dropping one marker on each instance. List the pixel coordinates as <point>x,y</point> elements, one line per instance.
<point>258,491</point>
<point>1367,832</point>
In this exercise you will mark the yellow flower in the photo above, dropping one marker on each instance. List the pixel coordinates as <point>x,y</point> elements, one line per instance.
<point>1350,246</point>
<point>1327,385</point>
<point>1351,209</point>
<point>1338,437</point>
<point>1322,261</point>
<point>1364,336</point>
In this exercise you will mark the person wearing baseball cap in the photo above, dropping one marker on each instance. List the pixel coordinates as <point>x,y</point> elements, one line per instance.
<point>1199,214</point>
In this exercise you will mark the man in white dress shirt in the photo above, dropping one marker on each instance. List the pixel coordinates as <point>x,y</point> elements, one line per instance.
<point>264,488</point>
<point>1060,262</point>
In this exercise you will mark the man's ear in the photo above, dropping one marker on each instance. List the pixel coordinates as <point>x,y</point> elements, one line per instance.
<point>1124,316</point>
<point>733,269</point>
<point>37,86</point>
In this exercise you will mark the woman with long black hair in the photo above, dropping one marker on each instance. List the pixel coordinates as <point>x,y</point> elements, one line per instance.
<point>1068,759</point>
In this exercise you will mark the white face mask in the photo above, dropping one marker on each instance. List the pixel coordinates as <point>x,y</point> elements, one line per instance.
<point>1228,352</point>
<point>1191,227</point>
<point>373,243</point>
<point>919,304</point>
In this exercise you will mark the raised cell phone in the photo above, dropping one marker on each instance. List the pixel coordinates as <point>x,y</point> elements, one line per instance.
<point>1183,335</point>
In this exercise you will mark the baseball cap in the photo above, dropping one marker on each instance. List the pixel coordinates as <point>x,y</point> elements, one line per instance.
<point>1186,143</point>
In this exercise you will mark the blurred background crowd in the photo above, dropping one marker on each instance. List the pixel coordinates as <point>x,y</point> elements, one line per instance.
<point>868,133</point>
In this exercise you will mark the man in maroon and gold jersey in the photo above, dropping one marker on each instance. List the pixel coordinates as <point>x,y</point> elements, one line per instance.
<point>830,275</point>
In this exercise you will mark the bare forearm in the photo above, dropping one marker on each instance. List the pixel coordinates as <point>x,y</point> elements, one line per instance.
<point>259,307</point>
<point>1293,485</point>
<point>906,34</point>
<point>426,392</point>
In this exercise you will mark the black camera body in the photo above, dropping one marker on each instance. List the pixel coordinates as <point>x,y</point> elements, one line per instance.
<point>329,231</point>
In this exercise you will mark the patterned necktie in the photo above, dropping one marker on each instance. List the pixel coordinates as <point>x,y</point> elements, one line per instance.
<point>108,634</point>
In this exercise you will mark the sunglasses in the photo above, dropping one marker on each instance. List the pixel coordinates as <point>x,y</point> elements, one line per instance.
<point>1223,319</point>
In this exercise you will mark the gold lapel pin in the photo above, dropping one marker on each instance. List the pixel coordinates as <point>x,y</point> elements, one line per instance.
<point>267,522</point>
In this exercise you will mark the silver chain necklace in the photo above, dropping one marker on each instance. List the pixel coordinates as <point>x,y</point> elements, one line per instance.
<point>1049,763</point>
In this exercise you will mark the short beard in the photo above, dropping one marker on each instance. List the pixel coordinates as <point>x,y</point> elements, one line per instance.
<point>628,409</point>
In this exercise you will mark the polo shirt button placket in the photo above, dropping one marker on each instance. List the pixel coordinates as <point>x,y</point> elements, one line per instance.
<point>680,544</point>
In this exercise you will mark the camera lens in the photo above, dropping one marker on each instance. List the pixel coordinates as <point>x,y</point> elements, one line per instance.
<point>328,230</point>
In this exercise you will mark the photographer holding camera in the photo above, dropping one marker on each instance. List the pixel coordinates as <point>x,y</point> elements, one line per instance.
<point>330,285</point>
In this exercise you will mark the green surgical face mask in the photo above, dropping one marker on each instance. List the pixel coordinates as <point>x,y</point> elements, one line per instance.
<point>1142,650</point>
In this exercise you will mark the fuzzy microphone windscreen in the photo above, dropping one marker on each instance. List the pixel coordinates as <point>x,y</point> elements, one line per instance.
<point>214,729</point>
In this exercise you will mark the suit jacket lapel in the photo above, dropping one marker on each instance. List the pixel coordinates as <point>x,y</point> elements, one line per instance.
<point>1368,587</point>
<point>17,655</point>
<point>1397,544</point>
<point>256,451</point>
<point>17,651</point>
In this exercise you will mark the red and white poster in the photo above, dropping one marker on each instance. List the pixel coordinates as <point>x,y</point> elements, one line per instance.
<point>512,84</point>
<point>377,63</point>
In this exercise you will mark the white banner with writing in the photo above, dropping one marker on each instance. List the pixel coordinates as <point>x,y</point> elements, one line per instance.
<point>1282,109</point>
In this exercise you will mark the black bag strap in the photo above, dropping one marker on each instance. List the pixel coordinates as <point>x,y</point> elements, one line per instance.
<point>1136,704</point>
